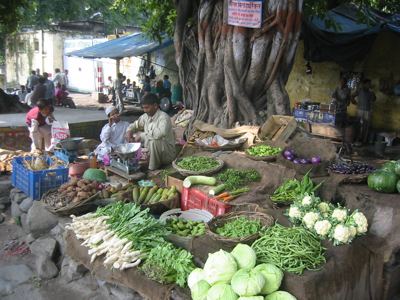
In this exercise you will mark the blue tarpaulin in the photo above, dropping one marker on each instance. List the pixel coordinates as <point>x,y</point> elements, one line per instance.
<point>351,37</point>
<point>135,44</point>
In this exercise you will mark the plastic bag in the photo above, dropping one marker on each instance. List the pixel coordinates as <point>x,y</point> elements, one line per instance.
<point>59,131</point>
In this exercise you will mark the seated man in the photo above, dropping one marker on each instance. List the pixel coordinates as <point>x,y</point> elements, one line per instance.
<point>112,134</point>
<point>39,120</point>
<point>157,136</point>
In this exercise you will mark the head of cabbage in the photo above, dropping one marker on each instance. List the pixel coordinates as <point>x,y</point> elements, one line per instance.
<point>195,276</point>
<point>219,267</point>
<point>252,298</point>
<point>247,283</point>
<point>199,290</point>
<point>280,295</point>
<point>273,277</point>
<point>245,256</point>
<point>221,291</point>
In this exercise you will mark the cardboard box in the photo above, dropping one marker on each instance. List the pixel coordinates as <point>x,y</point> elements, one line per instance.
<point>175,180</point>
<point>278,128</point>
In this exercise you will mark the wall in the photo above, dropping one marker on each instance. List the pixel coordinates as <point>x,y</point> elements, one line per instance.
<point>381,62</point>
<point>166,57</point>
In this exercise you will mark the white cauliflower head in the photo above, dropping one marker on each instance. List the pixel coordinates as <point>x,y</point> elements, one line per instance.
<point>323,207</point>
<point>353,232</point>
<point>341,234</point>
<point>361,222</point>
<point>340,214</point>
<point>310,218</point>
<point>307,201</point>
<point>322,227</point>
<point>294,212</point>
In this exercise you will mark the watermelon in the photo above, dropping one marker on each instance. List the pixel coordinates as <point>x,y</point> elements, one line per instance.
<point>398,186</point>
<point>397,167</point>
<point>382,181</point>
<point>389,166</point>
<point>95,175</point>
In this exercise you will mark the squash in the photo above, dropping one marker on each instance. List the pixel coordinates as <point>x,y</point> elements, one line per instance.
<point>382,181</point>
<point>397,168</point>
<point>389,166</point>
<point>95,174</point>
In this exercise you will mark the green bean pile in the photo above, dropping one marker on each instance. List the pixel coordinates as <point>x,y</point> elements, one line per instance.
<point>293,249</point>
<point>197,163</point>
<point>235,179</point>
<point>240,227</point>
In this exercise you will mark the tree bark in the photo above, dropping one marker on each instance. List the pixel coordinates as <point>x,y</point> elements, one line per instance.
<point>234,74</point>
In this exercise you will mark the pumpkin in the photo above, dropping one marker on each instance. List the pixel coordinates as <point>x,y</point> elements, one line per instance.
<point>95,175</point>
<point>382,181</point>
<point>397,167</point>
<point>389,166</point>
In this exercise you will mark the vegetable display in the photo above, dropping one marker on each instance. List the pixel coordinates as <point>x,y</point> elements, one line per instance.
<point>327,221</point>
<point>344,167</point>
<point>74,191</point>
<point>386,179</point>
<point>167,264</point>
<point>263,150</point>
<point>234,276</point>
<point>289,154</point>
<point>184,227</point>
<point>239,227</point>
<point>198,179</point>
<point>293,188</point>
<point>234,179</point>
<point>197,163</point>
<point>292,249</point>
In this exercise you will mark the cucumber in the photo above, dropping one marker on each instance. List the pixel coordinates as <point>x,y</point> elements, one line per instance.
<point>135,194</point>
<point>217,190</point>
<point>152,191</point>
<point>198,179</point>
<point>143,194</point>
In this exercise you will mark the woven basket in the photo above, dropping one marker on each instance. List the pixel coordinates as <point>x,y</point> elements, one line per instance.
<point>266,221</point>
<point>72,208</point>
<point>263,158</point>
<point>206,172</point>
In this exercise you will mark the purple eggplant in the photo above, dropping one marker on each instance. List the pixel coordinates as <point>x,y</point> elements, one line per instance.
<point>288,152</point>
<point>290,157</point>
<point>296,161</point>
<point>315,160</point>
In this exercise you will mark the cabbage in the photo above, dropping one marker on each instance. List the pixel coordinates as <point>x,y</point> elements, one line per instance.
<point>247,283</point>
<point>280,295</point>
<point>200,290</point>
<point>252,298</point>
<point>195,276</point>
<point>221,291</point>
<point>245,256</point>
<point>273,277</point>
<point>219,267</point>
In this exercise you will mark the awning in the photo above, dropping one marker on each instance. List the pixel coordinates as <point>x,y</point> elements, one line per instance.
<point>135,44</point>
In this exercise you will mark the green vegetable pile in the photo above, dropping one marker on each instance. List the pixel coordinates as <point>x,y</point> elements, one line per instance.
<point>235,179</point>
<point>293,188</point>
<point>184,227</point>
<point>263,150</point>
<point>386,179</point>
<point>167,264</point>
<point>292,249</point>
<point>197,163</point>
<point>240,227</point>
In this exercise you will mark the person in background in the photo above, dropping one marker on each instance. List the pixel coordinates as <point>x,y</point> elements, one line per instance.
<point>37,72</point>
<point>39,92</point>
<point>112,134</point>
<point>66,79</point>
<point>167,83</point>
<point>156,134</point>
<point>365,98</point>
<point>117,86</point>
<point>22,94</point>
<point>152,72</point>
<point>39,120</point>
<point>146,85</point>
<point>32,80</point>
<point>50,90</point>
<point>59,78</point>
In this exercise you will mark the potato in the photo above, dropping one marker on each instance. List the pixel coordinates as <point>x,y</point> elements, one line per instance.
<point>70,188</point>
<point>94,191</point>
<point>83,195</point>
<point>76,200</point>
<point>81,184</point>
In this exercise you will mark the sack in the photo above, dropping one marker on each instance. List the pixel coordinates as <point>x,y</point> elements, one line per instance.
<point>59,131</point>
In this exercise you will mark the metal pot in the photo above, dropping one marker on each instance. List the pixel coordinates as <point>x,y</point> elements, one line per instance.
<point>71,144</point>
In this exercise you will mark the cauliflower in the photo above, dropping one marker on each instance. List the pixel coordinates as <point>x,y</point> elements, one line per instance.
<point>324,207</point>
<point>307,200</point>
<point>322,227</point>
<point>353,232</point>
<point>310,218</point>
<point>361,222</point>
<point>340,214</point>
<point>294,213</point>
<point>341,234</point>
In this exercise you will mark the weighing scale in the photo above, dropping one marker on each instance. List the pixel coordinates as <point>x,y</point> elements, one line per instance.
<point>69,149</point>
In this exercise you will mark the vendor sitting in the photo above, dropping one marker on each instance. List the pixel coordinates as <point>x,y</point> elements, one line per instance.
<point>39,120</point>
<point>112,134</point>
<point>157,136</point>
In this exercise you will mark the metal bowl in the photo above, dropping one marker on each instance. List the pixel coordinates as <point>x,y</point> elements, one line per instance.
<point>125,151</point>
<point>71,144</point>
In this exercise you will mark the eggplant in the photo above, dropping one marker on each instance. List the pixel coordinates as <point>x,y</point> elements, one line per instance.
<point>290,157</point>
<point>288,152</point>
<point>315,160</point>
<point>296,161</point>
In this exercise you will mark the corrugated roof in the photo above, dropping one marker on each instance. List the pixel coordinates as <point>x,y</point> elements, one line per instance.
<point>135,44</point>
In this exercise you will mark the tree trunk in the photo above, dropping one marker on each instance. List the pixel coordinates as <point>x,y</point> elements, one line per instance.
<point>234,74</point>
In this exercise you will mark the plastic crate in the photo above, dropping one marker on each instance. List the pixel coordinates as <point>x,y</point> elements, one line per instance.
<point>35,183</point>
<point>194,198</point>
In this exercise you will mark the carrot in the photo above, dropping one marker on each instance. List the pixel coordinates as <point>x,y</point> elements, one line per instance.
<point>229,198</point>
<point>223,195</point>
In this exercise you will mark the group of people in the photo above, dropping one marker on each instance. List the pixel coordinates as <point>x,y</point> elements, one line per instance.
<point>153,129</point>
<point>363,97</point>
<point>41,87</point>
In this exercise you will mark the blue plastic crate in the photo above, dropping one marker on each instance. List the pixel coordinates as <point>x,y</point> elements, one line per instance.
<point>36,183</point>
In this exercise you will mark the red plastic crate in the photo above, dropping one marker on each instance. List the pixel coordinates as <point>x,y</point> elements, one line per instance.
<point>194,198</point>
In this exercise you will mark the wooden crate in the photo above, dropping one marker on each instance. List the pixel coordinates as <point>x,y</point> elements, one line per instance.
<point>278,128</point>
<point>175,180</point>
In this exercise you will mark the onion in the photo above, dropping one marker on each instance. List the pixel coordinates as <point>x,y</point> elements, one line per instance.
<point>296,161</point>
<point>288,152</point>
<point>315,160</point>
